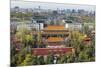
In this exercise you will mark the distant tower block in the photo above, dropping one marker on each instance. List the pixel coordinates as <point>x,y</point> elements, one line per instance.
<point>39,7</point>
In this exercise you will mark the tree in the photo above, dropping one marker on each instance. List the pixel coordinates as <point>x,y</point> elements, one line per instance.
<point>82,52</point>
<point>29,40</point>
<point>76,39</point>
<point>52,23</point>
<point>28,60</point>
<point>22,34</point>
<point>50,59</point>
<point>86,30</point>
<point>35,60</point>
<point>41,60</point>
<point>39,39</point>
<point>70,57</point>
<point>62,59</point>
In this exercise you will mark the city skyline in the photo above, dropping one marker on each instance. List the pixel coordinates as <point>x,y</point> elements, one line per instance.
<point>52,6</point>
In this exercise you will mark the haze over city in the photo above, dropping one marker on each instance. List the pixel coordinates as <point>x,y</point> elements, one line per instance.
<point>53,6</point>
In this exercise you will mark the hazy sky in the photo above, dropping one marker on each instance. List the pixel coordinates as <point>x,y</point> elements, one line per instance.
<point>30,4</point>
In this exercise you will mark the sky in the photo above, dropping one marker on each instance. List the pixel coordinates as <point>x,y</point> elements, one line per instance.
<point>44,5</point>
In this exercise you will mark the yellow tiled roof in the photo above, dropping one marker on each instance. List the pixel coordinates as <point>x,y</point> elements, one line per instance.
<point>55,27</point>
<point>55,39</point>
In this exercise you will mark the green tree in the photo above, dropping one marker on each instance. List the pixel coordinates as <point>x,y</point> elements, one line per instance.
<point>41,60</point>
<point>22,35</point>
<point>39,38</point>
<point>50,59</point>
<point>28,60</point>
<point>52,23</point>
<point>83,57</point>
<point>62,59</point>
<point>29,40</point>
<point>70,57</point>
